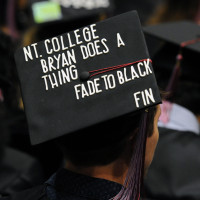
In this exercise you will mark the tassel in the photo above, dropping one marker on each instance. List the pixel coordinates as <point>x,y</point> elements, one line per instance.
<point>134,177</point>
<point>171,87</point>
<point>177,69</point>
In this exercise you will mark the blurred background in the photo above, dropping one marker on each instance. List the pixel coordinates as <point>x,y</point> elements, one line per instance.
<point>174,173</point>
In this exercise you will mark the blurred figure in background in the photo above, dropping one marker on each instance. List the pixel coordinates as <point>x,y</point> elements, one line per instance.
<point>13,18</point>
<point>174,173</point>
<point>16,167</point>
<point>176,10</point>
<point>145,8</point>
<point>13,21</point>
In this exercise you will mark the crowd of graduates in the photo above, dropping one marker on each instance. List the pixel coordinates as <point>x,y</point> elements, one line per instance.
<point>172,34</point>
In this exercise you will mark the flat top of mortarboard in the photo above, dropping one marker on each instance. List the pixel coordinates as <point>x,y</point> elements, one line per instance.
<point>86,77</point>
<point>176,33</point>
<point>181,42</point>
<point>50,11</point>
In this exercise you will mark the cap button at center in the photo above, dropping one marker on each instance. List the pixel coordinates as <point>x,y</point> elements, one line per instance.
<point>84,76</point>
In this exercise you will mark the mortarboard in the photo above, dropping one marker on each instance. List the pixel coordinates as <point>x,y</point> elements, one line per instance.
<point>175,43</point>
<point>51,11</point>
<point>86,77</point>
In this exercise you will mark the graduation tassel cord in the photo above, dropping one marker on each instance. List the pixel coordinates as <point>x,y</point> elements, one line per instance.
<point>189,42</point>
<point>133,182</point>
<point>87,75</point>
<point>103,70</point>
<point>175,75</point>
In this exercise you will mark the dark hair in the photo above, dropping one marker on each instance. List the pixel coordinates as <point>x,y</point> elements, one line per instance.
<point>103,143</point>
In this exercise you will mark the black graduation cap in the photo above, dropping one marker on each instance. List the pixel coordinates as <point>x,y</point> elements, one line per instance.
<point>175,44</point>
<point>51,11</point>
<point>85,77</point>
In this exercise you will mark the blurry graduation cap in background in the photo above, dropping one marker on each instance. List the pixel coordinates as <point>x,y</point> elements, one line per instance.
<point>86,77</point>
<point>54,11</point>
<point>174,48</point>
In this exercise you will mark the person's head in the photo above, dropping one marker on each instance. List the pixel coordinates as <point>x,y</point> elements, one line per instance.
<point>104,121</point>
<point>104,143</point>
<point>132,139</point>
